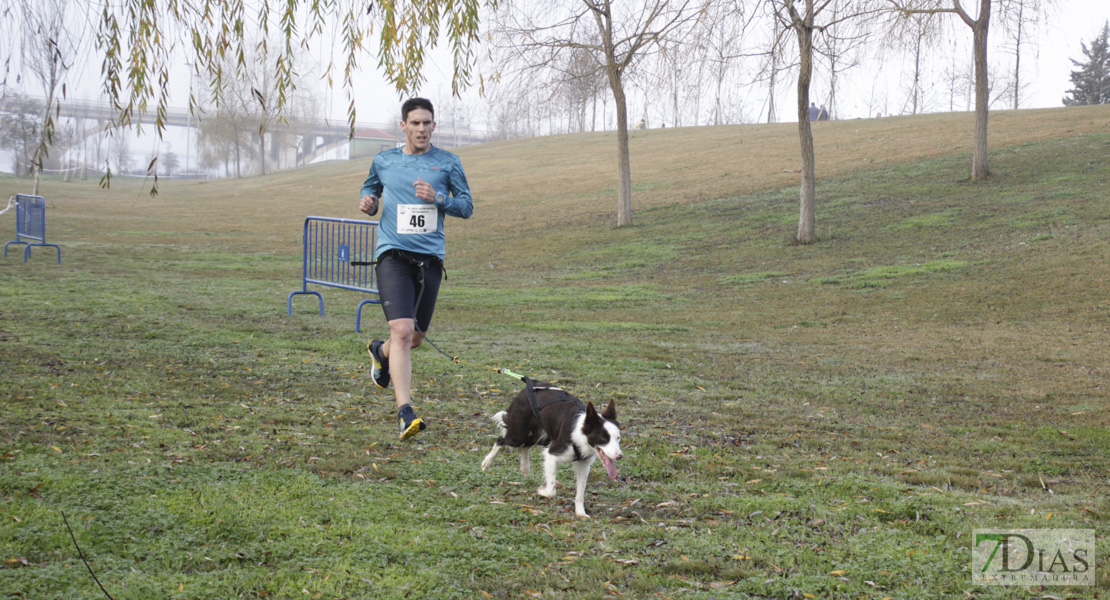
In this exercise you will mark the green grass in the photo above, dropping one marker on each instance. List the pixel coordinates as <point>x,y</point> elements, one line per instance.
<point>884,275</point>
<point>828,421</point>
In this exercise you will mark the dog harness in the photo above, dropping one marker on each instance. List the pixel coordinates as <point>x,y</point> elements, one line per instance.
<point>534,402</point>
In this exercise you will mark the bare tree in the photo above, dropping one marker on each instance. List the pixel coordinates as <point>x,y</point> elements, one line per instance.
<point>803,18</point>
<point>616,36</point>
<point>914,35</point>
<point>46,39</point>
<point>265,107</point>
<point>580,84</point>
<point>300,130</point>
<point>726,30</point>
<point>252,114</point>
<point>122,153</point>
<point>679,69</point>
<point>223,134</point>
<point>841,50</point>
<point>980,28</point>
<point>1018,17</point>
<point>452,119</point>
<point>169,162</point>
<point>699,68</point>
<point>774,66</point>
<point>511,112</point>
<point>958,80</point>
<point>20,130</point>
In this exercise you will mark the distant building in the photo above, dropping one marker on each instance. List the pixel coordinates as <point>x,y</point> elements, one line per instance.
<point>368,142</point>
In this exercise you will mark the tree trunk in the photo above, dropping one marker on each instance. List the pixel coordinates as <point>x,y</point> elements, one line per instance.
<point>916,71</point>
<point>979,169</point>
<point>774,72</point>
<point>624,165</point>
<point>262,152</point>
<point>1017,53</point>
<point>807,220</point>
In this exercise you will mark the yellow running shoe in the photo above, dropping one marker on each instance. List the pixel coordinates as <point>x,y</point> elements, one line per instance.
<point>410,424</point>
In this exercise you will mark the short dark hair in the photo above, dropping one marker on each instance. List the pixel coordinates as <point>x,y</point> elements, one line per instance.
<point>414,103</point>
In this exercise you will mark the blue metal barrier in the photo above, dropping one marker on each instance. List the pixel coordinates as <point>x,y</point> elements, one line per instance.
<point>338,253</point>
<point>30,224</point>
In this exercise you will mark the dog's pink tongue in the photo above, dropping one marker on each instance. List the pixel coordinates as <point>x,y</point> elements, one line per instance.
<point>610,464</point>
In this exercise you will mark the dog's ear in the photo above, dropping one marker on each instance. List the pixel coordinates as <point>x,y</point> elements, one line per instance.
<point>610,413</point>
<point>591,412</point>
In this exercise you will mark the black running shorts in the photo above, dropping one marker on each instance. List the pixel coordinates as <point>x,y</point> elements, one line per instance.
<point>408,284</point>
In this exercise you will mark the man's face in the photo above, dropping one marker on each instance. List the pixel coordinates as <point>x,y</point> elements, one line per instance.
<point>418,128</point>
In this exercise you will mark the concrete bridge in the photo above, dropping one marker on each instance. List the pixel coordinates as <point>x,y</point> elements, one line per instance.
<point>317,139</point>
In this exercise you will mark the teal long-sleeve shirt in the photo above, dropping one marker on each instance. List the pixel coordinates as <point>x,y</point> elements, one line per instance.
<point>407,222</point>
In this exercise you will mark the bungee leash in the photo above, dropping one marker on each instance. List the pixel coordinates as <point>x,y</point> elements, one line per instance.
<point>421,266</point>
<point>457,360</point>
<point>530,387</point>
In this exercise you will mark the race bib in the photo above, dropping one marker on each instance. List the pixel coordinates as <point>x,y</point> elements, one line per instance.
<point>416,218</point>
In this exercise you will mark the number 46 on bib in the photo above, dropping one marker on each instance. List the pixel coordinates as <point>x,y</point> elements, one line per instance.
<point>416,218</point>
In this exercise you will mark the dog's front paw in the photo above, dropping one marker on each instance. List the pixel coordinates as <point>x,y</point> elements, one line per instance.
<point>486,464</point>
<point>581,512</point>
<point>546,491</point>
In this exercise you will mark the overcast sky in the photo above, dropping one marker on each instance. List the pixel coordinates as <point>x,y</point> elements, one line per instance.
<point>1046,65</point>
<point>1046,70</point>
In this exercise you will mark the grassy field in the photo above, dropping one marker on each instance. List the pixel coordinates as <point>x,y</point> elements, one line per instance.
<point>829,421</point>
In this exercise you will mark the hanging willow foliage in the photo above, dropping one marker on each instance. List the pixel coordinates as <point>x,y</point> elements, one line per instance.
<point>140,39</point>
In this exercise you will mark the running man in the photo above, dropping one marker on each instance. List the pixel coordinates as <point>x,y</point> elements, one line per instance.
<point>415,186</point>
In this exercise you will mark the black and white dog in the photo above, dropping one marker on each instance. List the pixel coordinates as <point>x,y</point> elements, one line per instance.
<point>544,415</point>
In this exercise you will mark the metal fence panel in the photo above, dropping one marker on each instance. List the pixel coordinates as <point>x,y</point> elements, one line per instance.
<point>30,224</point>
<point>338,253</point>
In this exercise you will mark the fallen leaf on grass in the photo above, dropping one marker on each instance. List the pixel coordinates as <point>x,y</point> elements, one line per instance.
<point>838,572</point>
